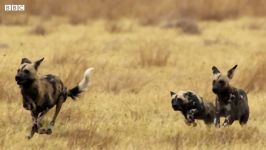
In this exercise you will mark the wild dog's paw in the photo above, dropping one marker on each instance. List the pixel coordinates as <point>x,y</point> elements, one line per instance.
<point>217,125</point>
<point>225,124</point>
<point>42,131</point>
<point>28,137</point>
<point>49,131</point>
<point>33,130</point>
<point>45,131</point>
<point>187,122</point>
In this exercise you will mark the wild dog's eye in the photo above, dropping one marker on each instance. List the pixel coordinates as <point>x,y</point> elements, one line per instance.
<point>189,94</point>
<point>26,71</point>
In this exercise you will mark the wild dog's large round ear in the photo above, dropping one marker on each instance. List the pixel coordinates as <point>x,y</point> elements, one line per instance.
<point>230,72</point>
<point>215,70</point>
<point>216,73</point>
<point>172,93</point>
<point>37,63</point>
<point>25,60</point>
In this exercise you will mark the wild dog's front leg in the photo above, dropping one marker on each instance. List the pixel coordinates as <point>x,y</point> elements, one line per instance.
<point>217,119</point>
<point>228,115</point>
<point>41,130</point>
<point>217,114</point>
<point>42,115</point>
<point>34,127</point>
<point>29,104</point>
<point>191,116</point>
<point>228,120</point>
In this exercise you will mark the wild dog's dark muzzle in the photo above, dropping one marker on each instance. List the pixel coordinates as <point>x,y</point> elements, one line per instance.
<point>215,89</point>
<point>176,105</point>
<point>219,86</point>
<point>21,80</point>
<point>18,79</point>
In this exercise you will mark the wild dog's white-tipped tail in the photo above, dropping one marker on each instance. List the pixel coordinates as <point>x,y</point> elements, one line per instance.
<point>82,86</point>
<point>84,83</point>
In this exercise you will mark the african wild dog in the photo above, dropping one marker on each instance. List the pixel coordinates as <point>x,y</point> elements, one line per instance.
<point>231,103</point>
<point>40,94</point>
<point>192,107</point>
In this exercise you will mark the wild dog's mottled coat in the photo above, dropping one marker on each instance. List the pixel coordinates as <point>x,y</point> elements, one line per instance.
<point>231,103</point>
<point>40,94</point>
<point>192,107</point>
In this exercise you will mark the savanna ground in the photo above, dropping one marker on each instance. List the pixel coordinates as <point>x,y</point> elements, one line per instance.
<point>136,65</point>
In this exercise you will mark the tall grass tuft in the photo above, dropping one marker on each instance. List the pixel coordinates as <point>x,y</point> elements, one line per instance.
<point>253,77</point>
<point>153,54</point>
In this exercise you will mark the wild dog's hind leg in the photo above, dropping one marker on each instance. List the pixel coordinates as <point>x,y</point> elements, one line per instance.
<point>34,127</point>
<point>57,110</point>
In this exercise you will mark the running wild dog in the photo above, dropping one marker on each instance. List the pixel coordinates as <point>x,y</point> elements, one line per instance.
<point>40,94</point>
<point>231,103</point>
<point>192,107</point>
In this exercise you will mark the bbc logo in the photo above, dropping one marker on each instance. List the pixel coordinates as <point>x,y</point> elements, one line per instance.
<point>14,7</point>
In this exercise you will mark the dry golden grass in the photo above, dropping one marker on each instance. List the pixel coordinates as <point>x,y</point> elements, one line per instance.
<point>186,25</point>
<point>128,104</point>
<point>148,12</point>
<point>153,53</point>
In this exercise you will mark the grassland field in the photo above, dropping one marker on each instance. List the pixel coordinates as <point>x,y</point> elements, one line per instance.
<point>128,103</point>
